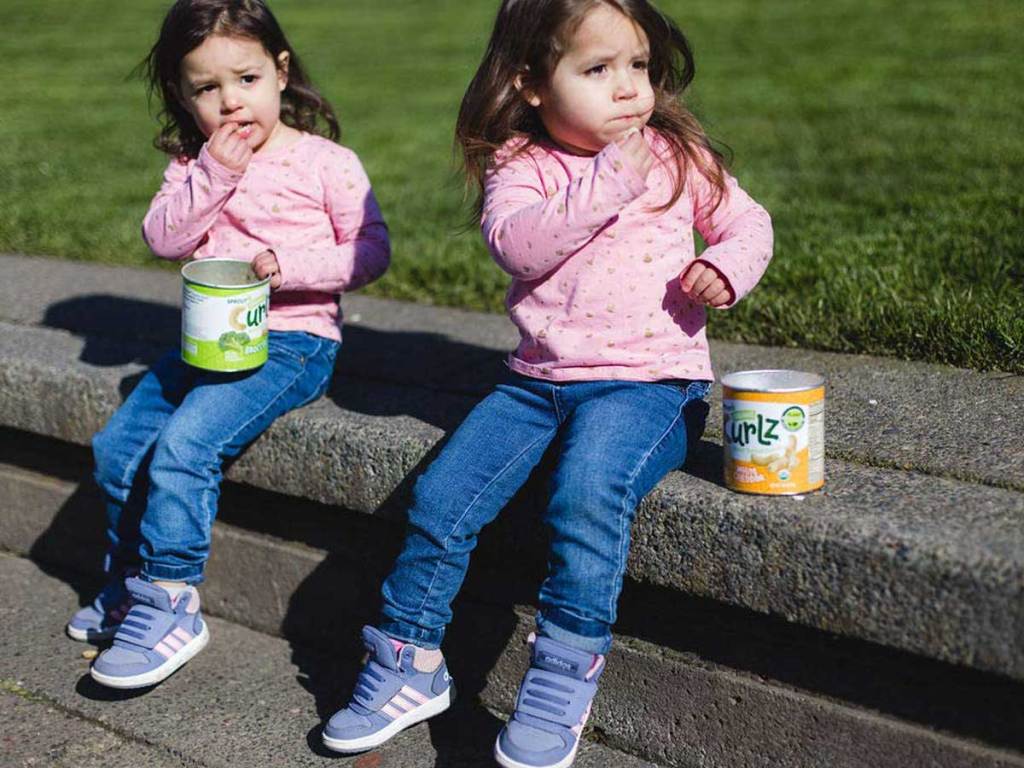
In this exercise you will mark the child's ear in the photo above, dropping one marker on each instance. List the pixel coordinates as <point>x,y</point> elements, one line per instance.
<point>530,96</point>
<point>282,69</point>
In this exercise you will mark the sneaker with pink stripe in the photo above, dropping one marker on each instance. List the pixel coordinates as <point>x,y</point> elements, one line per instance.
<point>158,636</point>
<point>399,685</point>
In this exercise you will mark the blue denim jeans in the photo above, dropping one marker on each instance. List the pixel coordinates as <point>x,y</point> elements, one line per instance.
<point>617,439</point>
<point>159,459</point>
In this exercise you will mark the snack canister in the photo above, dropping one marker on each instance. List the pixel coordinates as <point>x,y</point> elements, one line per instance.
<point>774,431</point>
<point>224,310</point>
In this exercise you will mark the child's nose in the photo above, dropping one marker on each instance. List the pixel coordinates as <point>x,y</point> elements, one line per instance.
<point>230,101</point>
<point>625,88</point>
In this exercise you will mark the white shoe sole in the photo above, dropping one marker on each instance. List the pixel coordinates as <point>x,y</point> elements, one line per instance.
<point>435,706</point>
<point>507,762</point>
<point>165,670</point>
<point>85,635</point>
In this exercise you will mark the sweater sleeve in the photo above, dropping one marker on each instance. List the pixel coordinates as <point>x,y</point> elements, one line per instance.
<point>362,250</point>
<point>187,205</point>
<point>738,234</point>
<point>530,234</point>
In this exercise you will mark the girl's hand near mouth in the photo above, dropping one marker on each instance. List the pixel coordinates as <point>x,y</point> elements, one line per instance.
<point>228,148</point>
<point>638,154</point>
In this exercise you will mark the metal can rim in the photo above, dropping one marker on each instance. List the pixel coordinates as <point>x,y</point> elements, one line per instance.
<point>813,381</point>
<point>206,284</point>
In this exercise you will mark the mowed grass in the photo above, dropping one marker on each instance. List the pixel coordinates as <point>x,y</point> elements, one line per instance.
<point>884,137</point>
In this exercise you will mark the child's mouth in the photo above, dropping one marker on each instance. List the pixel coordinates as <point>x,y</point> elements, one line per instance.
<point>245,130</point>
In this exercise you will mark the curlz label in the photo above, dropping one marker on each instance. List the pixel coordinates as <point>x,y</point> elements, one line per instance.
<point>774,442</point>
<point>224,329</point>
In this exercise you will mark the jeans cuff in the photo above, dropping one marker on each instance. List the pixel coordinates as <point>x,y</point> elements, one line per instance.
<point>189,574</point>
<point>591,643</point>
<point>427,639</point>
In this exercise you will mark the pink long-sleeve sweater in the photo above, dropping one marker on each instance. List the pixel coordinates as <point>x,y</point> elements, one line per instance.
<point>309,202</point>
<point>595,290</point>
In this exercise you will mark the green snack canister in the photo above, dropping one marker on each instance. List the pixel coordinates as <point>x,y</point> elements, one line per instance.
<point>224,309</point>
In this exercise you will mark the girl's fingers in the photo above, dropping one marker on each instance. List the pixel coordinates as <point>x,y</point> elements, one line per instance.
<point>226,146</point>
<point>713,289</point>
<point>265,264</point>
<point>703,281</point>
<point>635,148</point>
<point>222,134</point>
<point>690,277</point>
<point>721,299</point>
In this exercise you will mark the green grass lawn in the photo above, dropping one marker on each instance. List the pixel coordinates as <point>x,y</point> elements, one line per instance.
<point>884,136</point>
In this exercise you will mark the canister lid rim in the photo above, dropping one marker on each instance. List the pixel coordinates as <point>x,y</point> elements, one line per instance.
<point>207,284</point>
<point>772,380</point>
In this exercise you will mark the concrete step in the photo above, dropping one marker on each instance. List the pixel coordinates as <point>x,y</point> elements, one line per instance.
<point>880,411</point>
<point>926,564</point>
<point>40,732</point>
<point>247,700</point>
<point>690,682</point>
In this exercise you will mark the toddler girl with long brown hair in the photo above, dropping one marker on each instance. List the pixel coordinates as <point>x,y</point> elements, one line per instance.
<point>592,177</point>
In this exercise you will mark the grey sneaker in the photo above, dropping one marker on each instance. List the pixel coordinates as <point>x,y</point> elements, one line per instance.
<point>391,694</point>
<point>552,707</point>
<point>159,635</point>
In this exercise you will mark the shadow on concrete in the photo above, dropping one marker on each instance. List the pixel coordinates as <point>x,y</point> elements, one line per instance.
<point>88,688</point>
<point>326,610</point>
<point>119,331</point>
<point>324,614</point>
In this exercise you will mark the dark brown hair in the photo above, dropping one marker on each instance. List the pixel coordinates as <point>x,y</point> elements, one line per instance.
<point>529,38</point>
<point>187,24</point>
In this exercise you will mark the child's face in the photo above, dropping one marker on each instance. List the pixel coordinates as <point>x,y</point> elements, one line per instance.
<point>600,87</point>
<point>234,79</point>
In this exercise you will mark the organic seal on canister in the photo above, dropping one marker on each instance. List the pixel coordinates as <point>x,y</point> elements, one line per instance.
<point>224,315</point>
<point>774,431</point>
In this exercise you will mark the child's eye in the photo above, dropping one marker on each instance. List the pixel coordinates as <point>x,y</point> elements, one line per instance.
<point>205,88</point>
<point>599,69</point>
<point>640,64</point>
<point>249,79</point>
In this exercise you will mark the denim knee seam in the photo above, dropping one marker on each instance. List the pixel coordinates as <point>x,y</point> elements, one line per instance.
<point>281,392</point>
<point>136,461</point>
<point>624,521</point>
<point>458,522</point>
<point>220,448</point>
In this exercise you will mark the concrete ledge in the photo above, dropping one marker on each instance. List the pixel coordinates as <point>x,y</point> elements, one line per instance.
<point>881,412</point>
<point>930,561</point>
<point>919,563</point>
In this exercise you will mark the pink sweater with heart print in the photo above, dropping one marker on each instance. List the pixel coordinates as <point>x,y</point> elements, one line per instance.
<point>309,202</point>
<point>595,290</point>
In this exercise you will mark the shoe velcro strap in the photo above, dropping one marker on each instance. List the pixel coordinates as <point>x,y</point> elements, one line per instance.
<point>554,698</point>
<point>376,686</point>
<point>145,626</point>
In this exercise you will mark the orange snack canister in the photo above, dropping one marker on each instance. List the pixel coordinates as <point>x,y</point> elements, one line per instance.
<point>774,431</point>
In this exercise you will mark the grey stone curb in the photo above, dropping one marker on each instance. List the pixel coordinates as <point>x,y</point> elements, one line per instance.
<point>880,411</point>
<point>919,563</point>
